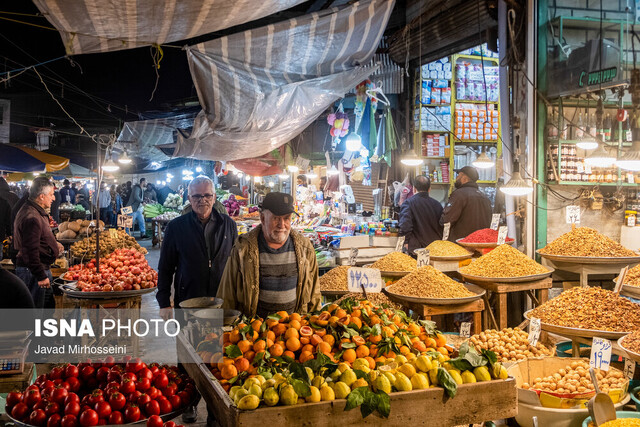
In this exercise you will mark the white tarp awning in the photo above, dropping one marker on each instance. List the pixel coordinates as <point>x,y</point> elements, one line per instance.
<point>91,26</point>
<point>261,88</point>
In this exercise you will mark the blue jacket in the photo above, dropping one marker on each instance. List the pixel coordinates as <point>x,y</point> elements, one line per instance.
<point>68,191</point>
<point>185,263</point>
<point>419,221</point>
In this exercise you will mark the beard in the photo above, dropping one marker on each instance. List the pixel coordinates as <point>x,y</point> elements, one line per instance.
<point>457,184</point>
<point>279,236</point>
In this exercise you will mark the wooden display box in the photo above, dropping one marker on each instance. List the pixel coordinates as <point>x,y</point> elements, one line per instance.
<point>474,403</point>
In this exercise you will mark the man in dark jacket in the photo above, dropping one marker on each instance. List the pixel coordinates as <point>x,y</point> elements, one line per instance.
<point>7,194</point>
<point>67,194</point>
<point>468,209</point>
<point>195,249</point>
<point>135,201</point>
<point>36,245</point>
<point>6,228</point>
<point>420,216</point>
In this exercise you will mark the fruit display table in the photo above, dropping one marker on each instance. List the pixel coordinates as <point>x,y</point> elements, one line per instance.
<point>427,311</point>
<point>473,403</point>
<point>501,290</point>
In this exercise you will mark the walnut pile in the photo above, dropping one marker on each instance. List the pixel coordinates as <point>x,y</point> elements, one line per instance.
<point>586,242</point>
<point>503,261</point>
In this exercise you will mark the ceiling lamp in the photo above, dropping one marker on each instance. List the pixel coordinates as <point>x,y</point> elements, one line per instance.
<point>293,168</point>
<point>332,171</point>
<point>283,176</point>
<point>631,159</point>
<point>587,144</point>
<point>198,169</point>
<point>311,174</point>
<point>483,162</point>
<point>257,179</point>
<point>517,186</point>
<point>600,158</point>
<point>271,184</point>
<point>110,166</point>
<point>124,159</point>
<point>353,142</point>
<point>411,160</point>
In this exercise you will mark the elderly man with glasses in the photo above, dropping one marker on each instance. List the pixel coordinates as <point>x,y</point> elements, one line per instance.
<point>195,249</point>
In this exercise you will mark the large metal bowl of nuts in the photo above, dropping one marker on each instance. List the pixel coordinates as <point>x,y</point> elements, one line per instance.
<point>632,345</point>
<point>476,290</point>
<point>577,332</point>
<point>519,279</point>
<point>591,260</point>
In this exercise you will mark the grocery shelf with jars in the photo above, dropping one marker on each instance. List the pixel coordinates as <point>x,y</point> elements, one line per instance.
<point>456,116</point>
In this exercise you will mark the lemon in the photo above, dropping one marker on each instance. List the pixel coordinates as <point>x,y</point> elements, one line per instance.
<point>249,382</point>
<point>256,390</point>
<point>239,395</point>
<point>269,384</point>
<point>361,382</point>
<point>270,397</point>
<point>279,377</point>
<point>389,367</point>
<point>403,383</point>
<point>309,373</point>
<point>419,381</point>
<point>400,360</point>
<point>373,375</point>
<point>391,377</point>
<point>382,383</point>
<point>434,364</point>
<point>327,393</point>
<point>468,377</point>
<point>348,377</point>
<point>361,365</point>
<point>408,369</point>
<point>411,357</point>
<point>482,373</point>
<point>433,376</point>
<point>423,363</point>
<point>456,376</point>
<point>341,390</point>
<point>441,358</point>
<point>314,396</point>
<point>249,402</point>
<point>233,391</point>
<point>499,372</point>
<point>288,395</point>
<point>335,375</point>
<point>343,367</point>
<point>317,381</point>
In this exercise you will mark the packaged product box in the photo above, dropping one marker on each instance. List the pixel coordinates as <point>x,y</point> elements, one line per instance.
<point>441,74</point>
<point>433,74</point>
<point>438,66</point>
<point>436,96</point>
<point>426,92</point>
<point>446,96</point>
<point>447,67</point>
<point>440,83</point>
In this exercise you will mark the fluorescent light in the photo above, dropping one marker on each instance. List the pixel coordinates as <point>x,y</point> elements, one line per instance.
<point>124,159</point>
<point>169,175</point>
<point>198,169</point>
<point>483,162</point>
<point>631,159</point>
<point>411,160</point>
<point>517,186</point>
<point>157,182</point>
<point>271,184</point>
<point>311,174</point>
<point>110,166</point>
<point>353,142</point>
<point>587,144</point>
<point>332,171</point>
<point>168,179</point>
<point>600,158</point>
<point>283,176</point>
<point>293,168</point>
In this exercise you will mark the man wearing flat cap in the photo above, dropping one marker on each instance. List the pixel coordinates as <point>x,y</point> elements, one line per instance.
<point>272,268</point>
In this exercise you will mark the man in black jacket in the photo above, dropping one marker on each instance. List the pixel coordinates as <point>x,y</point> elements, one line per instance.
<point>420,216</point>
<point>468,209</point>
<point>195,249</point>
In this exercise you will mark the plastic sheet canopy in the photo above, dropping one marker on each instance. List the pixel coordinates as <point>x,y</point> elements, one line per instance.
<point>261,88</point>
<point>14,158</point>
<point>91,26</point>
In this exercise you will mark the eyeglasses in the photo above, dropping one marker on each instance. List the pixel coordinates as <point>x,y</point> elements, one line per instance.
<point>198,197</point>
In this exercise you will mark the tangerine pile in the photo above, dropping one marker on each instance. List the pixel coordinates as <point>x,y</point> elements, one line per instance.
<point>344,333</point>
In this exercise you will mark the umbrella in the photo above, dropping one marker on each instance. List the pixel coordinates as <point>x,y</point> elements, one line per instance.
<point>73,170</point>
<point>14,158</point>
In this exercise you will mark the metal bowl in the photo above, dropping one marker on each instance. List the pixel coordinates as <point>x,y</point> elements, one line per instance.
<point>208,314</point>
<point>201,302</point>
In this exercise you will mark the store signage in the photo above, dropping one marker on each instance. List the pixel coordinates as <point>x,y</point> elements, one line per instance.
<point>399,244</point>
<point>445,233</point>
<point>495,221</point>
<point>534,331</point>
<point>465,329</point>
<point>620,279</point>
<point>600,354</point>
<point>353,256</point>
<point>629,368</point>
<point>573,214</point>
<point>126,210</point>
<point>423,257</point>
<point>367,279</point>
<point>125,221</point>
<point>502,235</point>
<point>597,77</point>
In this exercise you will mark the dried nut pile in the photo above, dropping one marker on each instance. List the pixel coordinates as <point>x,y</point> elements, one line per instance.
<point>590,308</point>
<point>509,344</point>
<point>375,298</point>
<point>427,282</point>
<point>444,248</point>
<point>632,342</point>
<point>395,261</point>
<point>621,422</point>
<point>335,279</point>
<point>586,242</point>
<point>574,378</point>
<point>633,276</point>
<point>503,261</point>
<point>109,242</point>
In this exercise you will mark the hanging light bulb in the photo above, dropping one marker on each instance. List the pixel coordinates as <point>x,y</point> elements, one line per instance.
<point>483,161</point>
<point>124,159</point>
<point>293,168</point>
<point>158,182</point>
<point>164,182</point>
<point>600,158</point>
<point>311,174</point>
<point>353,142</point>
<point>283,176</point>
<point>332,171</point>
<point>587,144</point>
<point>411,160</point>
<point>239,174</point>
<point>257,179</point>
<point>110,166</point>
<point>271,184</point>
<point>631,159</point>
<point>517,186</point>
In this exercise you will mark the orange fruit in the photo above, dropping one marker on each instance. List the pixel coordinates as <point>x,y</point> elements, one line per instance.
<point>205,356</point>
<point>358,340</point>
<point>234,336</point>
<point>375,339</point>
<point>290,354</point>
<point>321,332</point>
<point>308,347</point>
<point>372,363</point>
<point>284,316</point>
<point>291,333</point>
<point>249,355</point>
<point>419,345</point>
<point>228,372</point>
<point>259,345</point>
<point>356,321</point>
<point>295,316</point>
<point>279,329</point>
<point>373,350</point>
<point>441,340</point>
<point>225,361</point>
<point>374,320</point>
<point>430,342</point>
<point>271,323</point>
<point>304,340</point>
<point>333,307</point>
<point>340,313</point>
<point>324,347</point>
<point>252,336</point>
<point>225,337</point>
<point>269,335</point>
<point>390,355</point>
<point>329,339</point>
<point>306,331</point>
<point>293,343</point>
<point>295,324</point>
<point>315,340</point>
<point>362,351</point>
<point>241,364</point>
<point>380,359</point>
<point>356,313</point>
<point>414,329</point>
<point>305,355</point>
<point>259,355</point>
<point>349,355</point>
<point>244,345</point>
<point>443,350</point>
<point>276,350</point>
<point>256,324</point>
<point>405,350</point>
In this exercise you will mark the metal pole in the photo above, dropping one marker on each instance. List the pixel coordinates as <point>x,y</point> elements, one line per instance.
<point>97,207</point>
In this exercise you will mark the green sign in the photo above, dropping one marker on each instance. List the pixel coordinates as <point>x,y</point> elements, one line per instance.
<point>598,77</point>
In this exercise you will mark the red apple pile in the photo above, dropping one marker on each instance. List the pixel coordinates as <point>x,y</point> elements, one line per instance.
<point>101,393</point>
<point>122,270</point>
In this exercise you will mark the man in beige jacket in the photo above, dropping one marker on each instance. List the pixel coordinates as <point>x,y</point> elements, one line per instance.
<point>272,268</point>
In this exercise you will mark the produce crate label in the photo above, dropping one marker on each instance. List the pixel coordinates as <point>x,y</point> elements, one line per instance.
<point>399,244</point>
<point>534,331</point>
<point>368,279</point>
<point>573,214</point>
<point>465,329</point>
<point>353,256</point>
<point>600,354</point>
<point>495,221</point>
<point>126,210</point>
<point>502,235</point>
<point>423,257</point>
<point>445,233</point>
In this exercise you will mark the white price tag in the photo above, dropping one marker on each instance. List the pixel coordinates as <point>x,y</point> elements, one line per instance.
<point>631,221</point>
<point>534,331</point>
<point>367,278</point>
<point>126,210</point>
<point>620,279</point>
<point>353,256</point>
<point>423,257</point>
<point>399,244</point>
<point>629,368</point>
<point>465,329</point>
<point>600,354</point>
<point>445,233</point>
<point>502,235</point>
<point>573,214</point>
<point>495,221</point>
<point>630,178</point>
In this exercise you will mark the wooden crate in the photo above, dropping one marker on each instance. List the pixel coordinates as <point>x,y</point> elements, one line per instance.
<point>474,403</point>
